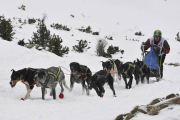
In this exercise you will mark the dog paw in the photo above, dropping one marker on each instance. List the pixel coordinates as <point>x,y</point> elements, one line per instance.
<point>23,99</point>
<point>87,92</point>
<point>61,95</point>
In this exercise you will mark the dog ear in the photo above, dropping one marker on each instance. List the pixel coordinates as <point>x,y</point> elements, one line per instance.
<point>134,61</point>
<point>137,60</point>
<point>70,64</point>
<point>13,70</point>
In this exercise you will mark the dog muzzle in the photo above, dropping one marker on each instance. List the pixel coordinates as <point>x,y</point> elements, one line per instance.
<point>36,81</point>
<point>90,86</point>
<point>12,84</point>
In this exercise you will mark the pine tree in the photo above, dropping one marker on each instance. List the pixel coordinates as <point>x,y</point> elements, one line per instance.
<point>178,38</point>
<point>56,47</point>
<point>81,46</point>
<point>107,55</point>
<point>21,42</point>
<point>43,36</point>
<point>112,50</point>
<point>6,29</point>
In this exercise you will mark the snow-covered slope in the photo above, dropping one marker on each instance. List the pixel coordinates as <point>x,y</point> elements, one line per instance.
<point>117,18</point>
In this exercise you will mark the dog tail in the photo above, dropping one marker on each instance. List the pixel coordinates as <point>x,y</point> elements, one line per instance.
<point>64,82</point>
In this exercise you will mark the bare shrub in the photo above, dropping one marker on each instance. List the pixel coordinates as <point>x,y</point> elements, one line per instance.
<point>100,47</point>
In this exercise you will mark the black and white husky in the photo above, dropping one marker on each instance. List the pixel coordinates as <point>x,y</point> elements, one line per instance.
<point>26,76</point>
<point>111,66</point>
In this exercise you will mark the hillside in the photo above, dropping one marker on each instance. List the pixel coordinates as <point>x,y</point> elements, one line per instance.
<point>119,19</point>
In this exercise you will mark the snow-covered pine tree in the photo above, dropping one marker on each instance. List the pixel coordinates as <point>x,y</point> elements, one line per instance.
<point>56,47</point>
<point>42,36</point>
<point>82,45</point>
<point>6,29</point>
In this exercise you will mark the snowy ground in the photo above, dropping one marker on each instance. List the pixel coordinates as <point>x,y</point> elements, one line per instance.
<point>117,18</point>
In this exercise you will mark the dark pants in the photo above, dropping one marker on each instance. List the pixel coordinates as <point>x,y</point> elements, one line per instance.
<point>161,61</point>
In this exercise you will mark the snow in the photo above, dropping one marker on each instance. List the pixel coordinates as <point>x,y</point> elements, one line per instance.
<point>119,19</point>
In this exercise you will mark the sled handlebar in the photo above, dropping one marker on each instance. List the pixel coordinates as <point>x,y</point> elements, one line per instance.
<point>153,46</point>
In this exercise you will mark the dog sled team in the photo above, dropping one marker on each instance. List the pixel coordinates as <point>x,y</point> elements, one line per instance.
<point>150,66</point>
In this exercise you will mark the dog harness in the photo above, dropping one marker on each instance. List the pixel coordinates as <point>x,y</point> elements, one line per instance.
<point>102,76</point>
<point>140,69</point>
<point>113,64</point>
<point>55,74</point>
<point>130,65</point>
